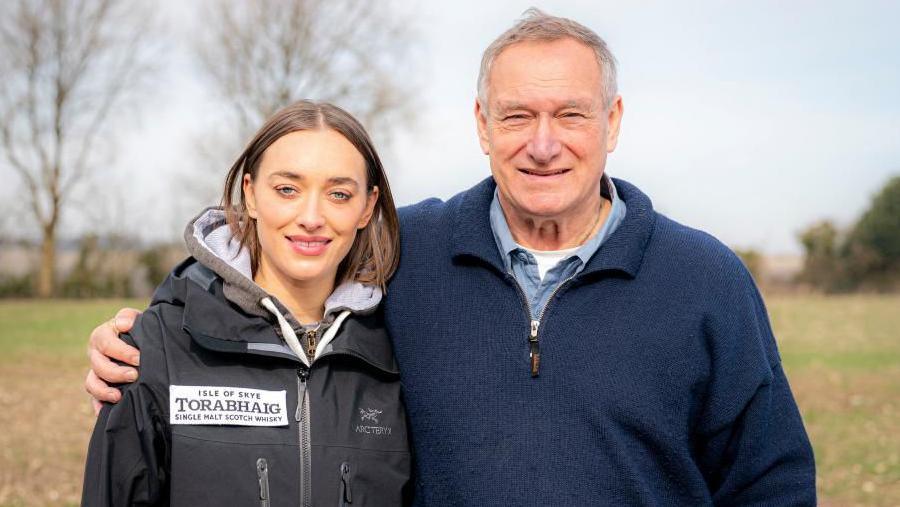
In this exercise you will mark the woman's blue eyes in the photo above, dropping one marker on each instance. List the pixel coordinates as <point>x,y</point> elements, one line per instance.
<point>291,191</point>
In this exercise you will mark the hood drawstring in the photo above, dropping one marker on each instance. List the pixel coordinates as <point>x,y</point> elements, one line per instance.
<point>331,332</point>
<point>287,331</point>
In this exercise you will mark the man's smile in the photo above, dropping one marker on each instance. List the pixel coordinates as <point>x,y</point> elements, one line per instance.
<point>543,173</point>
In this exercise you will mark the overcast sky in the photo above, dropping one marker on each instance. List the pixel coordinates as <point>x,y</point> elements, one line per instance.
<point>749,120</point>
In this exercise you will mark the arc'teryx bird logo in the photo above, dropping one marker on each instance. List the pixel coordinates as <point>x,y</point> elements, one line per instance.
<point>369,414</point>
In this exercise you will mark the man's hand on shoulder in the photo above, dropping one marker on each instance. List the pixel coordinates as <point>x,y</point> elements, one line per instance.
<point>104,347</point>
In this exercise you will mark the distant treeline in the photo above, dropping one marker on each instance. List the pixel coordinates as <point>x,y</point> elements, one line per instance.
<point>866,256</point>
<point>112,266</point>
<point>862,257</point>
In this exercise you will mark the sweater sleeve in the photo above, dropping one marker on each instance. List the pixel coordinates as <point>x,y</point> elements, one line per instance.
<point>127,462</point>
<point>752,446</point>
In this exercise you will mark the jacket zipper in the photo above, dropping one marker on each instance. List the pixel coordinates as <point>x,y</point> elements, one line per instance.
<point>312,338</point>
<point>534,346</point>
<point>302,418</point>
<point>346,497</point>
<point>262,474</point>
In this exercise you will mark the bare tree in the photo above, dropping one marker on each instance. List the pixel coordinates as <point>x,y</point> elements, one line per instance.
<point>67,65</point>
<point>265,54</point>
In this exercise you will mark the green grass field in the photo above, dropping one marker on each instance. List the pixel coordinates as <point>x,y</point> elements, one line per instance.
<point>841,354</point>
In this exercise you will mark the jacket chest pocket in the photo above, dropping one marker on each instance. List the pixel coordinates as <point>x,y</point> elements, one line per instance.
<point>362,478</point>
<point>207,471</point>
<point>360,449</point>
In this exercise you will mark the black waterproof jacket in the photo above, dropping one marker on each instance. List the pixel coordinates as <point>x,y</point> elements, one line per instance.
<point>247,422</point>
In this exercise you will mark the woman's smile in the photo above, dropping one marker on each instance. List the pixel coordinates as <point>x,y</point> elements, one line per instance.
<point>309,245</point>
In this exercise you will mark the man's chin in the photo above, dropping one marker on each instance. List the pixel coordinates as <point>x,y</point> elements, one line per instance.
<point>545,206</point>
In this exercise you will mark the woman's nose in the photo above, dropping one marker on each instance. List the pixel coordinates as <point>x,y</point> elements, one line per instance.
<point>310,215</point>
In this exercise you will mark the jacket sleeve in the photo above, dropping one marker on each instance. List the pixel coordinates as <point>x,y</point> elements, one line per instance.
<point>752,446</point>
<point>127,462</point>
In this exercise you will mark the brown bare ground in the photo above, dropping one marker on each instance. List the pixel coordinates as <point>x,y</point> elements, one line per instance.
<point>46,422</point>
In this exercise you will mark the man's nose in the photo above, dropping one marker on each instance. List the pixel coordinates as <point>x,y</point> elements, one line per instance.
<point>310,216</point>
<point>543,146</point>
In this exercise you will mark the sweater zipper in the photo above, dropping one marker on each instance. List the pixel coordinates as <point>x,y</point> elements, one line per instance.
<point>262,474</point>
<point>534,346</point>
<point>302,418</point>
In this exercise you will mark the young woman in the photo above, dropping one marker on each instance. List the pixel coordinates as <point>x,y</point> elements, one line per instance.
<point>266,375</point>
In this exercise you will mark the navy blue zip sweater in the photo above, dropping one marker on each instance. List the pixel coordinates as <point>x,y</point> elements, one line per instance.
<point>660,382</point>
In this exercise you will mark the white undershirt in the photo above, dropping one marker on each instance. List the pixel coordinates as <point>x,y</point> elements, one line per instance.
<point>546,259</point>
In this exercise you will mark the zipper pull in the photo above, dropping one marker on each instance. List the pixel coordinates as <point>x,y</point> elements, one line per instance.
<point>535,349</point>
<point>262,473</point>
<point>345,483</point>
<point>302,375</point>
<point>311,339</point>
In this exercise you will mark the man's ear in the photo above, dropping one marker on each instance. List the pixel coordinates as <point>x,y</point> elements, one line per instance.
<point>249,198</point>
<point>371,200</point>
<point>614,122</point>
<point>481,122</point>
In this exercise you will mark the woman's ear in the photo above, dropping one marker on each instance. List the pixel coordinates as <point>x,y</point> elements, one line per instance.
<point>371,200</point>
<point>249,198</point>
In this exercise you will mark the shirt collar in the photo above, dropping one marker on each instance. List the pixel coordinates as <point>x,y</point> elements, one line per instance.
<point>507,245</point>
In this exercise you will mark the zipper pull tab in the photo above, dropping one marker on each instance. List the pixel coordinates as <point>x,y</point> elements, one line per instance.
<point>345,482</point>
<point>262,473</point>
<point>535,349</point>
<point>302,375</point>
<point>311,339</point>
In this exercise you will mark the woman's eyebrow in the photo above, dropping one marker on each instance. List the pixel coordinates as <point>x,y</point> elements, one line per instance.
<point>343,180</point>
<point>334,180</point>
<point>287,174</point>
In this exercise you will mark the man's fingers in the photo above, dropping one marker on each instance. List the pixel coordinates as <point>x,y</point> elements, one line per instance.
<point>104,344</point>
<point>124,319</point>
<point>105,339</point>
<point>97,406</point>
<point>109,371</point>
<point>100,390</point>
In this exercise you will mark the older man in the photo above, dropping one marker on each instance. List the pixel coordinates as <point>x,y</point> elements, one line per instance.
<point>560,342</point>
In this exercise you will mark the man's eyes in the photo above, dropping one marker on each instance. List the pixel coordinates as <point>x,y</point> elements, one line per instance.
<point>523,117</point>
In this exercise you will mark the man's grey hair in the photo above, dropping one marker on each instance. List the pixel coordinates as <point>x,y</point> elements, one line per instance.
<point>536,25</point>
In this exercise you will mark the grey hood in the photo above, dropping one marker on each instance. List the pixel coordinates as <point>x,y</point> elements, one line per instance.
<point>209,240</point>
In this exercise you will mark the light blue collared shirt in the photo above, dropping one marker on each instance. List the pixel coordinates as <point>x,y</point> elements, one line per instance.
<point>523,266</point>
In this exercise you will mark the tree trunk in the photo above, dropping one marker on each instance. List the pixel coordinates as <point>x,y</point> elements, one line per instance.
<point>46,282</point>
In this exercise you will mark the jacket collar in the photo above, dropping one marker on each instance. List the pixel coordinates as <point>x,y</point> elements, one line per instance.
<point>215,324</point>
<point>623,251</point>
<point>364,337</point>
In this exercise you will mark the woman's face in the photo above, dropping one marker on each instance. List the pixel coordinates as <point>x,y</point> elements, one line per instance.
<point>309,198</point>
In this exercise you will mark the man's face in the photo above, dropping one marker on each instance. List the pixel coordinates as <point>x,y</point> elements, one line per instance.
<point>546,128</point>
